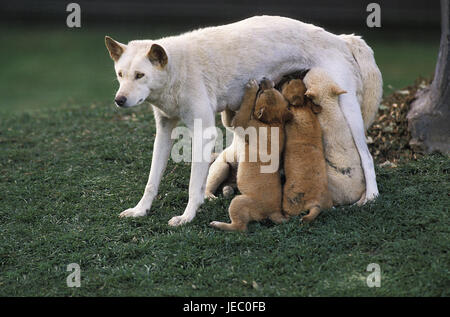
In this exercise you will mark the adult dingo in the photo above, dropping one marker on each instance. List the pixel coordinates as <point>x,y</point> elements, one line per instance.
<point>196,74</point>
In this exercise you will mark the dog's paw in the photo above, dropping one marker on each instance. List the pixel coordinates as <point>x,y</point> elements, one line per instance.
<point>252,85</point>
<point>366,198</point>
<point>307,219</point>
<point>210,196</point>
<point>133,212</point>
<point>214,224</point>
<point>178,221</point>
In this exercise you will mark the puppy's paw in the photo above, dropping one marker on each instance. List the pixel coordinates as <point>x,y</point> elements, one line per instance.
<point>307,219</point>
<point>210,196</point>
<point>133,212</point>
<point>252,85</point>
<point>215,224</point>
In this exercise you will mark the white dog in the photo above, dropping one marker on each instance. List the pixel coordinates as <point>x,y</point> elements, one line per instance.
<point>194,75</point>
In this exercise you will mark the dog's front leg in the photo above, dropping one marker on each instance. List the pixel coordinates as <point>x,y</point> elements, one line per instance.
<point>202,125</point>
<point>161,150</point>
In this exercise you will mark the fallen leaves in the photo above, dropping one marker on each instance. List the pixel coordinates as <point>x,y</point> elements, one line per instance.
<point>388,137</point>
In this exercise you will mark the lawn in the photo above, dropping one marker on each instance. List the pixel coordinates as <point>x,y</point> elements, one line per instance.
<point>70,162</point>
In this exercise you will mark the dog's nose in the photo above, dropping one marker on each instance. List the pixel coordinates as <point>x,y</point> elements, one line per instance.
<point>120,100</point>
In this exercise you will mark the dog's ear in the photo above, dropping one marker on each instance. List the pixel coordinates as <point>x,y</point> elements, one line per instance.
<point>260,113</point>
<point>266,84</point>
<point>115,48</point>
<point>337,90</point>
<point>311,93</point>
<point>288,116</point>
<point>157,56</point>
<point>316,108</point>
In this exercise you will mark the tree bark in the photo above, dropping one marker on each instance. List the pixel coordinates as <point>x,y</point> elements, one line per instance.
<point>429,115</point>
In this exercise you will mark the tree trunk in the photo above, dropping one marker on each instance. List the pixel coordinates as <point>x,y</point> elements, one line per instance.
<point>429,116</point>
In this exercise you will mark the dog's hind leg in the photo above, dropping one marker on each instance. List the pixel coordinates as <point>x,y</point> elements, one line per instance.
<point>352,113</point>
<point>242,210</point>
<point>218,173</point>
<point>313,213</point>
<point>161,151</point>
<point>277,217</point>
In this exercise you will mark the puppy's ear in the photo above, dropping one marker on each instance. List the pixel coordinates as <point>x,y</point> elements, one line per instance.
<point>337,90</point>
<point>311,93</point>
<point>287,116</point>
<point>157,56</point>
<point>266,84</point>
<point>115,48</point>
<point>316,108</point>
<point>284,85</point>
<point>260,113</point>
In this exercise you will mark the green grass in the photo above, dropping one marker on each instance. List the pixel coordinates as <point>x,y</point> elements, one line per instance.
<point>70,162</point>
<point>66,174</point>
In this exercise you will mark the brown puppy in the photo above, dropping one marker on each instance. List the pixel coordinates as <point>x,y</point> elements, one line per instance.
<point>306,186</point>
<point>261,191</point>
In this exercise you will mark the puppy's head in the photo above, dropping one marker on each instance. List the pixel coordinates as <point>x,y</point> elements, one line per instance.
<point>141,69</point>
<point>271,106</point>
<point>321,86</point>
<point>294,92</point>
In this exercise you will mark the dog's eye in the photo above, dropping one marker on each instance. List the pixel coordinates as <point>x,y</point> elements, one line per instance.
<point>120,74</point>
<point>139,75</point>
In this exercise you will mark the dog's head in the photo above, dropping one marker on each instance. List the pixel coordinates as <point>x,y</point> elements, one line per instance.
<point>321,86</point>
<point>271,106</point>
<point>141,69</point>
<point>295,93</point>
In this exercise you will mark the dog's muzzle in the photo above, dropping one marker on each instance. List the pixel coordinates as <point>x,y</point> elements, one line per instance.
<point>120,101</point>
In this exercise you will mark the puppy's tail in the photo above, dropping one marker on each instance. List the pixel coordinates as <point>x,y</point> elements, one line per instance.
<point>371,76</point>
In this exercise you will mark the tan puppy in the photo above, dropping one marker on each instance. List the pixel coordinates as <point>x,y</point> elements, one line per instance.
<point>306,186</point>
<point>346,181</point>
<point>261,192</point>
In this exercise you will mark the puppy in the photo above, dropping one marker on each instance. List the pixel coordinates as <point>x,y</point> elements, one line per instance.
<point>261,192</point>
<point>346,181</point>
<point>306,186</point>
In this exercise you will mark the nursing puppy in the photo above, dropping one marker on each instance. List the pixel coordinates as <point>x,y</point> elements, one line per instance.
<point>306,187</point>
<point>261,191</point>
<point>346,181</point>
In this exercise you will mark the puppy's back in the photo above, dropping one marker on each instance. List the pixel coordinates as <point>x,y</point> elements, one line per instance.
<point>304,164</point>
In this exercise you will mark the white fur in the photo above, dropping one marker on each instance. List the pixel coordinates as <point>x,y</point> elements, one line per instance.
<point>206,72</point>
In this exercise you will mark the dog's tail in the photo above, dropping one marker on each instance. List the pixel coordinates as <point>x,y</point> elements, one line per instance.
<point>371,77</point>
